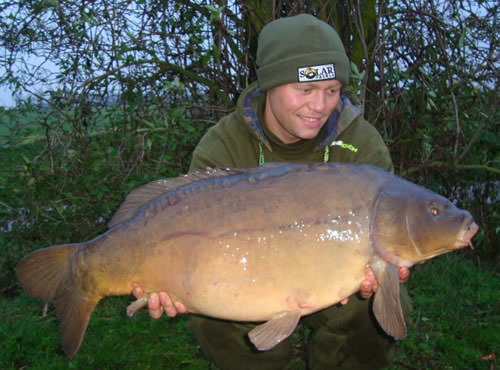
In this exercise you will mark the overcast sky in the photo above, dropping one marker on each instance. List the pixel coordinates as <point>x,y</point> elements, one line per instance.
<point>6,99</point>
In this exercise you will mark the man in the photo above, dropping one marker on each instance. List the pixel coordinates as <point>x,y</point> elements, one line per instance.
<point>295,112</point>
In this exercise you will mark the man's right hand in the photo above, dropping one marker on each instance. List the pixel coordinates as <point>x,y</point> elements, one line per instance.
<point>159,302</point>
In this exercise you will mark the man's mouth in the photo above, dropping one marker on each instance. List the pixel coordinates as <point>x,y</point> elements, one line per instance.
<point>311,121</point>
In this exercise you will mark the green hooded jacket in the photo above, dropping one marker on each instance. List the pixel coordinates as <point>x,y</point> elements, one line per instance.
<point>240,139</point>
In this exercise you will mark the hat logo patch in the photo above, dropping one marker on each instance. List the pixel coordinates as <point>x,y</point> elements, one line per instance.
<point>316,73</point>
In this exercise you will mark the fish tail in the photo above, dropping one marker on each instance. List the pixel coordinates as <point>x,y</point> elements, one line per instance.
<point>47,274</point>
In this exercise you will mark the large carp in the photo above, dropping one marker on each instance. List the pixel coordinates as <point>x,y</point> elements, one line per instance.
<point>270,244</point>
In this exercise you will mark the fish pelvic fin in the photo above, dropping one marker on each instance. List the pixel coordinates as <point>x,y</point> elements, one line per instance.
<point>387,302</point>
<point>274,331</point>
<point>47,274</point>
<point>137,305</point>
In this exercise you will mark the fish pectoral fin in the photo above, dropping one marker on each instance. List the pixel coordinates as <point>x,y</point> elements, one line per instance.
<point>137,305</point>
<point>272,332</point>
<point>387,303</point>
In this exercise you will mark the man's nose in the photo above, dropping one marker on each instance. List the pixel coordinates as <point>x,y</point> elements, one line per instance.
<point>318,101</point>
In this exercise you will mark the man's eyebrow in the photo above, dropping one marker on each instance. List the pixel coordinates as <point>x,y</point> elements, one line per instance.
<point>312,85</point>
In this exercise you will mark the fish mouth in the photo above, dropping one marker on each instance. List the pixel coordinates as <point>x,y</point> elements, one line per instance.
<point>465,236</point>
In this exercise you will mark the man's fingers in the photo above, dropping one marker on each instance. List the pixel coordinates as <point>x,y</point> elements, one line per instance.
<point>370,276</point>
<point>180,307</point>
<point>404,274</point>
<point>137,291</point>
<point>167,304</point>
<point>154,306</point>
<point>369,284</point>
<point>366,289</point>
<point>165,299</point>
<point>157,302</point>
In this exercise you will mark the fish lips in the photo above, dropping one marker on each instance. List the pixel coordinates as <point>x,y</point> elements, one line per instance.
<point>465,236</point>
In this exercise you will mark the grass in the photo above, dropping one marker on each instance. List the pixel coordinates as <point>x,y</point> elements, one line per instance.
<point>456,318</point>
<point>30,339</point>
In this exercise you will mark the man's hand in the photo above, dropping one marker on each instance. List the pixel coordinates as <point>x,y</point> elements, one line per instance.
<point>369,285</point>
<point>159,302</point>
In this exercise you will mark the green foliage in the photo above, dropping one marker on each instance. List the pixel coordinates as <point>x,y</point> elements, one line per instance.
<point>67,173</point>
<point>93,55</point>
<point>436,103</point>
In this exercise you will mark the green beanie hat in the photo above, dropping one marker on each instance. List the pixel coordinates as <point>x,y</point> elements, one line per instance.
<point>300,49</point>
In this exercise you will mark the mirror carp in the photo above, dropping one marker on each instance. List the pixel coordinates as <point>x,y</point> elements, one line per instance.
<point>268,244</point>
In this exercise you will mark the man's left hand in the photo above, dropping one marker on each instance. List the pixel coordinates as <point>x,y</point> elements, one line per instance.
<point>369,285</point>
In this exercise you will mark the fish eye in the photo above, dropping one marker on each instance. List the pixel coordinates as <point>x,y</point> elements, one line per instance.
<point>434,211</point>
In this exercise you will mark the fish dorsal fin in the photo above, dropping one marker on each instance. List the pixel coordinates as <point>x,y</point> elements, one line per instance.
<point>144,194</point>
<point>272,332</point>
<point>387,303</point>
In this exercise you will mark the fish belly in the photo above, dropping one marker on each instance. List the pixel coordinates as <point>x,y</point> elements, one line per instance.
<point>252,276</point>
<point>251,249</point>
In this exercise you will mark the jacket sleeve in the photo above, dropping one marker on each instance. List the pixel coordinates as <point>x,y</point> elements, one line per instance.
<point>210,152</point>
<point>230,143</point>
<point>227,144</point>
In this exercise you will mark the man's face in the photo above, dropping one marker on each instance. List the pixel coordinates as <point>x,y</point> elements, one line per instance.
<point>298,111</point>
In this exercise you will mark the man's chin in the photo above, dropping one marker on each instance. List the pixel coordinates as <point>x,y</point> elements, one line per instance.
<point>309,133</point>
